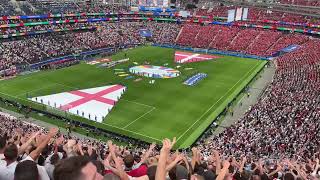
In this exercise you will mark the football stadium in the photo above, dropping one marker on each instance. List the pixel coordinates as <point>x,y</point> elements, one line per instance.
<point>164,90</point>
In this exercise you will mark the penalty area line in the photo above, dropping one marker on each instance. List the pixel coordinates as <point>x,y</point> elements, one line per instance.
<point>34,90</point>
<point>61,84</point>
<point>138,103</point>
<point>139,117</point>
<point>9,95</point>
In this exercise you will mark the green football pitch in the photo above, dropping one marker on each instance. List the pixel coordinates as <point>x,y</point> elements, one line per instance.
<point>149,112</point>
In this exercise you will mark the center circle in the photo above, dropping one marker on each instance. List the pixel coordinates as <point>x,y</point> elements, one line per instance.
<point>154,71</point>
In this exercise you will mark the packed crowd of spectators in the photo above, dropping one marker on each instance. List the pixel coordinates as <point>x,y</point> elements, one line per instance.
<point>220,11</point>
<point>286,40</point>
<point>232,38</point>
<point>261,15</point>
<point>205,37</point>
<point>263,42</point>
<point>301,2</point>
<point>28,50</point>
<point>278,137</point>
<point>223,39</point>
<point>243,40</point>
<point>32,7</point>
<point>7,7</point>
<point>163,33</point>
<point>285,121</point>
<point>277,24</point>
<point>256,15</point>
<point>188,34</point>
<point>31,29</point>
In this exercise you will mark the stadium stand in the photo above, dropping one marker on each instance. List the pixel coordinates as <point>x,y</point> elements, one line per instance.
<point>31,7</point>
<point>56,6</point>
<point>223,39</point>
<point>263,42</point>
<point>189,34</point>
<point>215,11</point>
<point>256,14</point>
<point>163,33</point>
<point>243,40</point>
<point>286,40</point>
<point>277,138</point>
<point>206,36</point>
<point>6,8</point>
<point>285,118</point>
<point>301,2</point>
<point>28,50</point>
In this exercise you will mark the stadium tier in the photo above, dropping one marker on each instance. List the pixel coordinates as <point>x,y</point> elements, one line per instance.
<point>301,2</point>
<point>91,90</point>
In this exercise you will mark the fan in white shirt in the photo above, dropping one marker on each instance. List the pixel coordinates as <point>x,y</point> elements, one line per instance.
<point>51,161</point>
<point>7,171</point>
<point>33,156</point>
<point>3,143</point>
<point>8,165</point>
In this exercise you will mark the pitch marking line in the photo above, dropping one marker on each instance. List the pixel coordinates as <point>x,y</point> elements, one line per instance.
<point>61,84</point>
<point>217,102</point>
<point>139,117</point>
<point>16,79</point>
<point>138,103</point>
<point>31,75</point>
<point>13,96</point>
<point>54,83</point>
<point>27,92</point>
<point>133,132</point>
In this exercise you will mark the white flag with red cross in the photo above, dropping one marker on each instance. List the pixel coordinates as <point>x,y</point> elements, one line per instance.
<point>94,103</point>
<point>188,57</point>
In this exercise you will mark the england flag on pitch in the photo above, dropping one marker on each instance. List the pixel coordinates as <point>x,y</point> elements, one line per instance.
<point>187,57</point>
<point>94,103</point>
